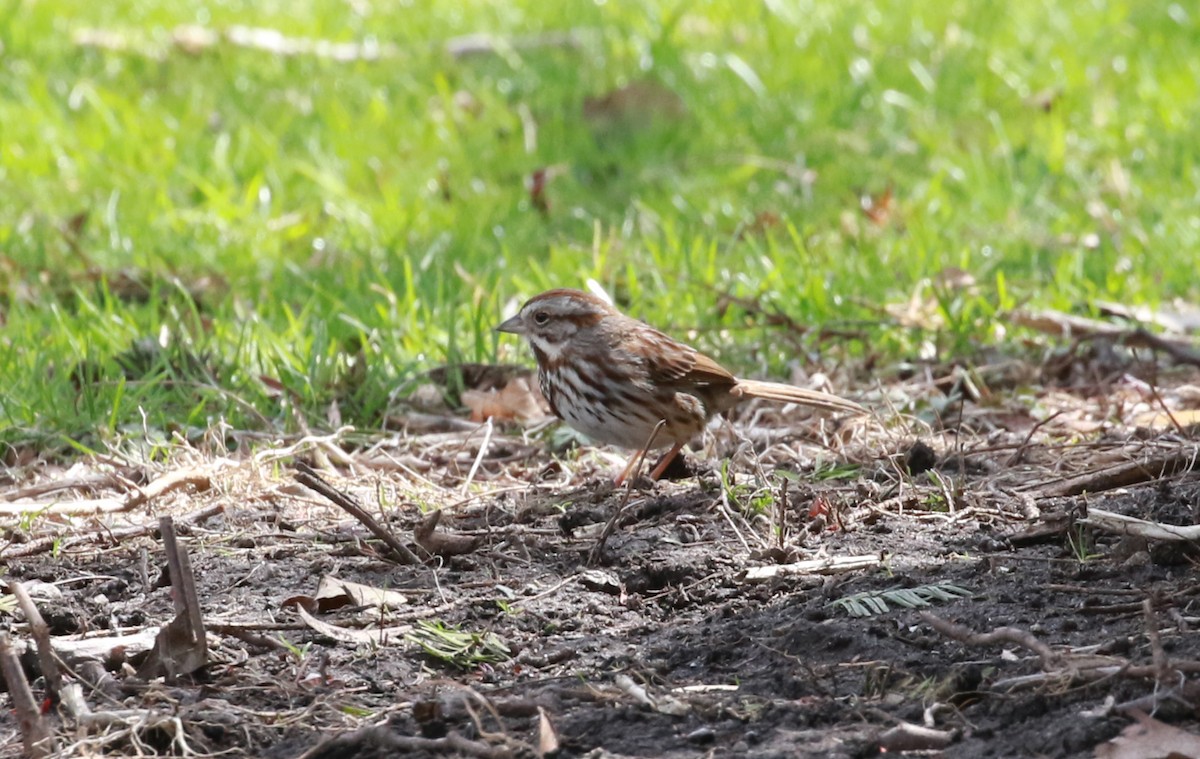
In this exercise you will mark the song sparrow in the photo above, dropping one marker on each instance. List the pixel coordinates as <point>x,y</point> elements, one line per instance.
<point>615,378</point>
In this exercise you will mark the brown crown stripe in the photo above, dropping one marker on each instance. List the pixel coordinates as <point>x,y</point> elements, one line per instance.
<point>569,293</point>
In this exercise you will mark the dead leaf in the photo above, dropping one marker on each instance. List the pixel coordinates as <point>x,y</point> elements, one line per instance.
<point>519,400</point>
<point>334,592</point>
<point>275,42</point>
<point>920,311</point>
<point>442,543</point>
<point>601,580</point>
<point>373,636</point>
<point>638,104</point>
<point>102,39</point>
<point>1150,739</point>
<point>72,230</point>
<point>923,310</point>
<point>1161,420</point>
<point>878,208</point>
<point>177,651</point>
<point>477,376</point>
<point>953,278</point>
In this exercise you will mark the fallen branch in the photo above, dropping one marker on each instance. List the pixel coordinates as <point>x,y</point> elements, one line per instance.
<point>200,479</point>
<point>1059,670</point>
<point>1126,525</point>
<point>90,482</point>
<point>73,649</point>
<point>1081,327</point>
<point>1172,462</point>
<point>829,566</point>
<point>1090,674</point>
<point>1014,635</point>
<point>909,737</point>
<point>374,636</point>
<point>309,478</point>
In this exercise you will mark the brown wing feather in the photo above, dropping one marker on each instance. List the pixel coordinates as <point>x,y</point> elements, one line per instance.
<point>669,360</point>
<point>707,370</point>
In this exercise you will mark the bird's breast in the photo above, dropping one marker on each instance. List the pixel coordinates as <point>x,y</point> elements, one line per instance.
<point>615,408</point>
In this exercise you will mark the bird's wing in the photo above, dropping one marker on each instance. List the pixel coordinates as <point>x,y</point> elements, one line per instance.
<point>671,361</point>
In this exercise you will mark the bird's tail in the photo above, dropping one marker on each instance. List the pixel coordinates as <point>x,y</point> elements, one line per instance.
<point>775,391</point>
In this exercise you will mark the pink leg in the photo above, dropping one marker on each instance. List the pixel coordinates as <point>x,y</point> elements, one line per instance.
<point>666,461</point>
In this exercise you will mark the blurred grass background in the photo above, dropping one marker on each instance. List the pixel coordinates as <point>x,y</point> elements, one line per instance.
<point>300,231</point>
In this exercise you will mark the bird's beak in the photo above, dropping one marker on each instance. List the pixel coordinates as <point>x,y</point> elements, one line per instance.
<point>513,325</point>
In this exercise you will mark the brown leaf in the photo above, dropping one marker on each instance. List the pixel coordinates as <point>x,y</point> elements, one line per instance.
<point>370,636</point>
<point>334,593</point>
<point>637,104</point>
<point>1150,739</point>
<point>72,228</point>
<point>442,543</point>
<point>1161,420</point>
<point>520,399</point>
<point>878,208</point>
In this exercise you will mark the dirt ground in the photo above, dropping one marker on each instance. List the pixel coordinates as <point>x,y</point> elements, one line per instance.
<point>718,619</point>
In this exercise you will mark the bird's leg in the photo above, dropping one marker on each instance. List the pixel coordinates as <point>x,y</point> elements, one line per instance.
<point>666,461</point>
<point>633,461</point>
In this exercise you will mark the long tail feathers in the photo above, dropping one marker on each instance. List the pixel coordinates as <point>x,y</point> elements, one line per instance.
<point>775,391</point>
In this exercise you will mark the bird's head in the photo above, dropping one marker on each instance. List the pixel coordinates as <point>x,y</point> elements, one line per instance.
<point>550,321</point>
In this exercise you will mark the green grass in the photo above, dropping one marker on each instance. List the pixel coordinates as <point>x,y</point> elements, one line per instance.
<point>336,227</point>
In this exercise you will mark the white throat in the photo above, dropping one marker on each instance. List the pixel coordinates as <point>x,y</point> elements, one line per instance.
<point>551,351</point>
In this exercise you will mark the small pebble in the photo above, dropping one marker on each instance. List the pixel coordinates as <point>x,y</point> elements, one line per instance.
<point>701,736</point>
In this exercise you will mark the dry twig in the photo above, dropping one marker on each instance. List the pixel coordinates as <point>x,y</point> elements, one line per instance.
<point>199,478</point>
<point>909,737</point>
<point>1014,635</point>
<point>1126,525</point>
<point>309,478</point>
<point>35,734</point>
<point>181,646</point>
<point>41,545</point>
<point>1159,466</point>
<point>41,636</point>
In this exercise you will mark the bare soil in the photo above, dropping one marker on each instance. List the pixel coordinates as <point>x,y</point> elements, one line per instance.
<point>672,643</point>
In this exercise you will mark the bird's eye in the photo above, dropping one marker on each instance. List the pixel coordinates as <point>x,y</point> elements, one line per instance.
<point>541,317</point>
